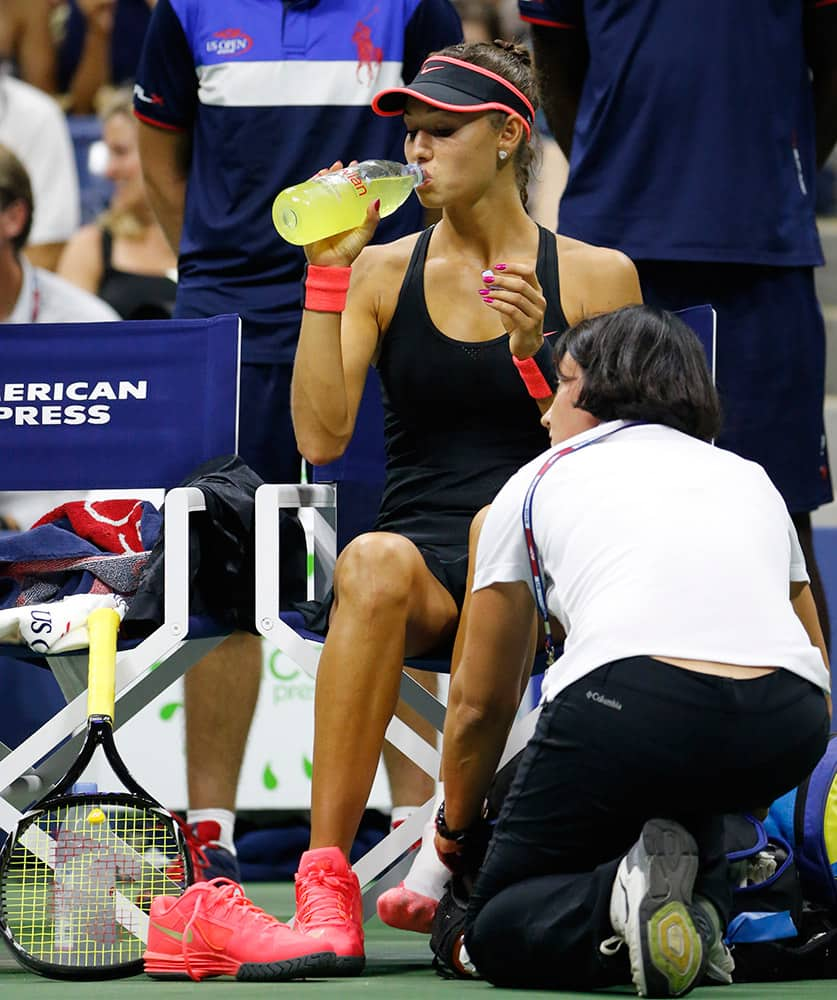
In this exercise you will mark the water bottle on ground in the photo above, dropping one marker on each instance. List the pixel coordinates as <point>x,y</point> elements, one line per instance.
<point>335,202</point>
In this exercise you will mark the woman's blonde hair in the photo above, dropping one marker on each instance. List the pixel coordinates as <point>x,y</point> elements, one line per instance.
<point>119,221</point>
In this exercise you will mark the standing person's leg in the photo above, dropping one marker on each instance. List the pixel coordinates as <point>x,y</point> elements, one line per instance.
<point>770,374</point>
<point>221,691</point>
<point>409,785</point>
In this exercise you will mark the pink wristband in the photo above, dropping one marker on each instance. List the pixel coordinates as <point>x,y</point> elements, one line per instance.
<point>326,288</point>
<point>533,378</point>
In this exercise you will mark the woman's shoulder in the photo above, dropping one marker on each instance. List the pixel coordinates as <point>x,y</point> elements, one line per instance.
<point>589,256</point>
<point>596,279</point>
<point>81,259</point>
<point>389,255</point>
<point>385,264</point>
<point>87,238</point>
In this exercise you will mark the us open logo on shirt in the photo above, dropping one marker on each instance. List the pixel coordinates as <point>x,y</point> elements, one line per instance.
<point>229,42</point>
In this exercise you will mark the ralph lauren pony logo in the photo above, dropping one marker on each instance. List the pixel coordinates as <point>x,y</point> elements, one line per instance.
<point>369,55</point>
<point>229,42</point>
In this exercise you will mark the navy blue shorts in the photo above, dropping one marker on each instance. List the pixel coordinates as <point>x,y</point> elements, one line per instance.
<point>770,365</point>
<point>266,439</point>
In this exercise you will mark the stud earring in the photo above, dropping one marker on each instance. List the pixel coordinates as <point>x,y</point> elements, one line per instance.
<point>503,154</point>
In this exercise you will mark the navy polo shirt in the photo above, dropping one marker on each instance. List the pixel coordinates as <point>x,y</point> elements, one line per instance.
<point>271,92</point>
<point>694,138</point>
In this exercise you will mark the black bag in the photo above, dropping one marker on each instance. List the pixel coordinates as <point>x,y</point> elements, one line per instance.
<point>773,933</point>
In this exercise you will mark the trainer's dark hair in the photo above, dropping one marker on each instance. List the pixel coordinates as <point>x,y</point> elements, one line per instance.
<point>641,363</point>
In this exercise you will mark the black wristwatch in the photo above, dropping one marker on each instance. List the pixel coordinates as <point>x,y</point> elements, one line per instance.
<point>442,828</point>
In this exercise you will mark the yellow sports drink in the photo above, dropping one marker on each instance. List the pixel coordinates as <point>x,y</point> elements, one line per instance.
<point>336,202</point>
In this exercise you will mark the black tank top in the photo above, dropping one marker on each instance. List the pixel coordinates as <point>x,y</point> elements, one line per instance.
<point>458,420</point>
<point>134,296</point>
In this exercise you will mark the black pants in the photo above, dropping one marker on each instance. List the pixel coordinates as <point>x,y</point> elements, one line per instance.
<point>636,739</point>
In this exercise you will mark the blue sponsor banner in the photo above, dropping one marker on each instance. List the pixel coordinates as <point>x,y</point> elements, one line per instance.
<point>124,404</point>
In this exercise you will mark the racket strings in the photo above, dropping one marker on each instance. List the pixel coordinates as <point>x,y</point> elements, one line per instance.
<point>79,881</point>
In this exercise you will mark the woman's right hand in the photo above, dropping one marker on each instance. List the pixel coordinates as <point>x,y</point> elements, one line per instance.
<point>343,249</point>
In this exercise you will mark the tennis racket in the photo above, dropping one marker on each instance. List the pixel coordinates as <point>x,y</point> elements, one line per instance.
<point>78,874</point>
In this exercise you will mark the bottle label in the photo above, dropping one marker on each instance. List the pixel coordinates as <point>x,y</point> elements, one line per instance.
<point>357,182</point>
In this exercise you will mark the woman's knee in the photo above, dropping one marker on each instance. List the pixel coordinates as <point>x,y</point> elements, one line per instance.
<point>376,569</point>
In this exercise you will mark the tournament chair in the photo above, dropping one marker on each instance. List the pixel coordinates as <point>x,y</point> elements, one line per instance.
<point>344,499</point>
<point>115,406</point>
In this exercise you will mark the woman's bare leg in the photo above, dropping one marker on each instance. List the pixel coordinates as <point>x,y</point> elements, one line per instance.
<point>387,605</point>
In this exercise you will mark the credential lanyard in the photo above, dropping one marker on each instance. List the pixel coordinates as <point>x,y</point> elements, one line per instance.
<point>532,549</point>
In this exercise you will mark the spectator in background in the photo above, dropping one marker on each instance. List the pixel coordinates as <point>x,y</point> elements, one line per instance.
<point>236,102</point>
<point>33,126</point>
<point>26,44</point>
<point>124,257</point>
<point>708,185</point>
<point>31,294</point>
<point>481,22</point>
<point>101,44</point>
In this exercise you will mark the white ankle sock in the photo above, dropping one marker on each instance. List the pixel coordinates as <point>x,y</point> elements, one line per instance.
<point>428,875</point>
<point>223,817</point>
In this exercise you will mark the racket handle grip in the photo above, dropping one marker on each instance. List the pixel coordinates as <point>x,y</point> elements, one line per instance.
<point>102,626</point>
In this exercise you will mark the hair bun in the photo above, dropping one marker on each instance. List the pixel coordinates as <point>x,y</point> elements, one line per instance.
<point>514,49</point>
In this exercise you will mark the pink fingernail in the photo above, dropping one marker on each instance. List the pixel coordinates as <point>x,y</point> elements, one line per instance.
<point>484,291</point>
<point>377,204</point>
<point>499,267</point>
<point>488,280</point>
<point>488,300</point>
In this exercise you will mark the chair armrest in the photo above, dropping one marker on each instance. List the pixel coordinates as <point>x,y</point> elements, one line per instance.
<point>180,503</point>
<point>270,499</point>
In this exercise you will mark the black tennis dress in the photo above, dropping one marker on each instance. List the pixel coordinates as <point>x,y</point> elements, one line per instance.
<point>458,421</point>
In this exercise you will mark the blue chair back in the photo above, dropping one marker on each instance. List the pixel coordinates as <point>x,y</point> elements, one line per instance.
<point>144,402</point>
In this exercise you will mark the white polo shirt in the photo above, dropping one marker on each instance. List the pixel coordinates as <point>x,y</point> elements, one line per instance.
<point>655,543</point>
<point>35,128</point>
<point>46,298</point>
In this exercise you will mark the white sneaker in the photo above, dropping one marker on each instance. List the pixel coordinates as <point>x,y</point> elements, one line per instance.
<point>650,910</point>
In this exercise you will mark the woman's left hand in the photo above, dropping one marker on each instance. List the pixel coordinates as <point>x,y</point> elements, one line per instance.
<point>513,291</point>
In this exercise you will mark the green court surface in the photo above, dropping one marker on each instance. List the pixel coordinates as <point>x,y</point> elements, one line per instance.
<point>398,966</point>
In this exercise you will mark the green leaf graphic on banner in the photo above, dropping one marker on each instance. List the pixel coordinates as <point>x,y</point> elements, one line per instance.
<point>269,779</point>
<point>168,711</point>
<point>307,766</point>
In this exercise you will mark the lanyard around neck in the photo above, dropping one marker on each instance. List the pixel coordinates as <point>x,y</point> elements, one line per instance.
<point>532,549</point>
<point>35,299</point>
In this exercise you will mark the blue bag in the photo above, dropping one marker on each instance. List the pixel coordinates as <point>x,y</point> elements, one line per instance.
<point>807,817</point>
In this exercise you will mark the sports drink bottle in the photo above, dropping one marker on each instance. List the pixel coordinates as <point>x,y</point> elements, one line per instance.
<point>333,203</point>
